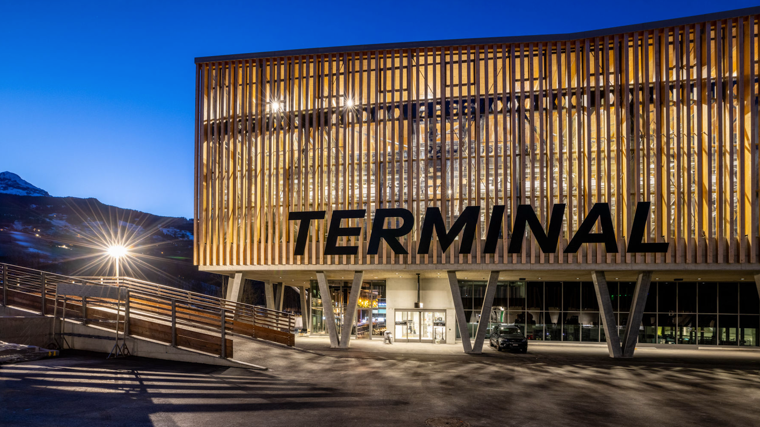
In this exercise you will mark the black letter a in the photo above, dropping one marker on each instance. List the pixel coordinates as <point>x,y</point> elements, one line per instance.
<point>600,211</point>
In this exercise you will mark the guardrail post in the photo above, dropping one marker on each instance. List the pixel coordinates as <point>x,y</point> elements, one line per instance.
<point>42,306</point>
<point>224,338</point>
<point>5,285</point>
<point>126,315</point>
<point>84,310</point>
<point>174,323</point>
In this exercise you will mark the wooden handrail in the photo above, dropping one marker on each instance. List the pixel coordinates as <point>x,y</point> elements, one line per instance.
<point>153,301</point>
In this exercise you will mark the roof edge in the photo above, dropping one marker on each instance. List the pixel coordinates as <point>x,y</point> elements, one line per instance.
<point>735,13</point>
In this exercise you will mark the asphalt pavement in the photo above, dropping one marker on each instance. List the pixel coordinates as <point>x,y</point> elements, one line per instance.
<point>399,385</point>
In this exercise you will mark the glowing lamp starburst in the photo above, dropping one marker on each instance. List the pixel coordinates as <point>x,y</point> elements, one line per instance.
<point>116,251</point>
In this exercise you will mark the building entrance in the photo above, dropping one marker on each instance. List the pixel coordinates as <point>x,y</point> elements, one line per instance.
<point>417,325</point>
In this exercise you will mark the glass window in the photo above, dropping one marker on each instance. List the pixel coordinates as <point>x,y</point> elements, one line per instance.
<point>707,328</point>
<point>553,326</point>
<point>518,318</point>
<point>666,329</point>
<point>648,331</point>
<point>667,297</point>
<point>571,327</point>
<point>612,287</point>
<point>478,295</point>
<point>466,291</point>
<point>534,325</point>
<point>687,331</point>
<point>651,305</point>
<point>535,295</point>
<point>517,296</point>
<point>625,295</point>
<point>571,296</point>
<point>589,326</point>
<point>317,321</point>
<point>622,325</point>
<point>553,296</point>
<point>708,297</point>
<point>687,297</point>
<point>500,297</point>
<point>728,329</point>
<point>588,297</point>
<point>748,298</point>
<point>728,297</point>
<point>748,331</point>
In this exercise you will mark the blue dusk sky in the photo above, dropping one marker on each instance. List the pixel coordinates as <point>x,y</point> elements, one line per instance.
<point>96,98</point>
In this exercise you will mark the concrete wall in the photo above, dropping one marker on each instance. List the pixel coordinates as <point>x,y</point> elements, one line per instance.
<point>142,347</point>
<point>434,294</point>
<point>25,327</point>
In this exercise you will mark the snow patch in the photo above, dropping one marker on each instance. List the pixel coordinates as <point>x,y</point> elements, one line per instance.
<point>177,234</point>
<point>10,183</point>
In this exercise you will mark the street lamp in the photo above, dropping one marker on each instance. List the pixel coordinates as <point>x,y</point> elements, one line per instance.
<point>116,252</point>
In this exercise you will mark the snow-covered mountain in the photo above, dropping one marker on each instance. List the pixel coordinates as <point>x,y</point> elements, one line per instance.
<point>10,183</point>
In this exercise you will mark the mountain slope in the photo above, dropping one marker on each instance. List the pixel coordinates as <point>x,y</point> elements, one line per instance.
<point>68,235</point>
<point>10,183</point>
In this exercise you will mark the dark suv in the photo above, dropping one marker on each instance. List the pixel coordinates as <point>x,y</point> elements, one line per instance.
<point>508,337</point>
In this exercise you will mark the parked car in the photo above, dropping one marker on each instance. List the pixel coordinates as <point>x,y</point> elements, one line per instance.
<point>508,337</point>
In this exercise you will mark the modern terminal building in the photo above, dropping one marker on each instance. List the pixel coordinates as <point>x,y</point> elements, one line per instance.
<point>590,187</point>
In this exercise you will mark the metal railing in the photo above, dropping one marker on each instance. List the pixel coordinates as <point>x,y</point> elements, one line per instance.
<point>154,310</point>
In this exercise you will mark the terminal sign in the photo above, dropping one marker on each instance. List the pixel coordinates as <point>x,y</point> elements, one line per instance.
<point>466,224</point>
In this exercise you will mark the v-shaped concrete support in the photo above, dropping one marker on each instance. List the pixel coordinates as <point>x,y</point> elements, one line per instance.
<point>628,345</point>
<point>485,313</point>
<point>456,295</point>
<point>327,307</point>
<point>350,314</point>
<point>607,314</point>
<point>637,313</point>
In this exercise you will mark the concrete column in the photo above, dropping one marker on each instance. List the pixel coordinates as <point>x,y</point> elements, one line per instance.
<point>757,283</point>
<point>235,288</point>
<point>608,315</point>
<point>485,313</point>
<point>456,295</point>
<point>305,318</point>
<point>350,313</point>
<point>324,290</point>
<point>269,293</point>
<point>280,295</point>
<point>637,313</point>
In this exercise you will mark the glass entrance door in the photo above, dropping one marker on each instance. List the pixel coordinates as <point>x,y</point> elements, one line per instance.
<point>420,325</point>
<point>363,323</point>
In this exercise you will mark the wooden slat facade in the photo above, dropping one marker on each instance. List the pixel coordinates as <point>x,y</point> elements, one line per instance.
<point>666,115</point>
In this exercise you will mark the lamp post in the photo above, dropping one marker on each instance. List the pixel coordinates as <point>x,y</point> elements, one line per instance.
<point>116,252</point>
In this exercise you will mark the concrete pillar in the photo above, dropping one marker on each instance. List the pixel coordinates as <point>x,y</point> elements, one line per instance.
<point>637,312</point>
<point>608,315</point>
<point>324,290</point>
<point>269,293</point>
<point>485,313</point>
<point>305,318</point>
<point>235,288</point>
<point>280,295</point>
<point>757,283</point>
<point>456,295</point>
<point>350,313</point>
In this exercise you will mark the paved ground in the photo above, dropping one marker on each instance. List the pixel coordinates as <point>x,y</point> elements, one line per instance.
<point>375,385</point>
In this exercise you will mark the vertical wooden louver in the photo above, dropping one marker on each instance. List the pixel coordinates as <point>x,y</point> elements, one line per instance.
<point>666,115</point>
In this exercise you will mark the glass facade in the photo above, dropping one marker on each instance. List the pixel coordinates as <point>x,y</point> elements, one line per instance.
<point>703,313</point>
<point>370,308</point>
